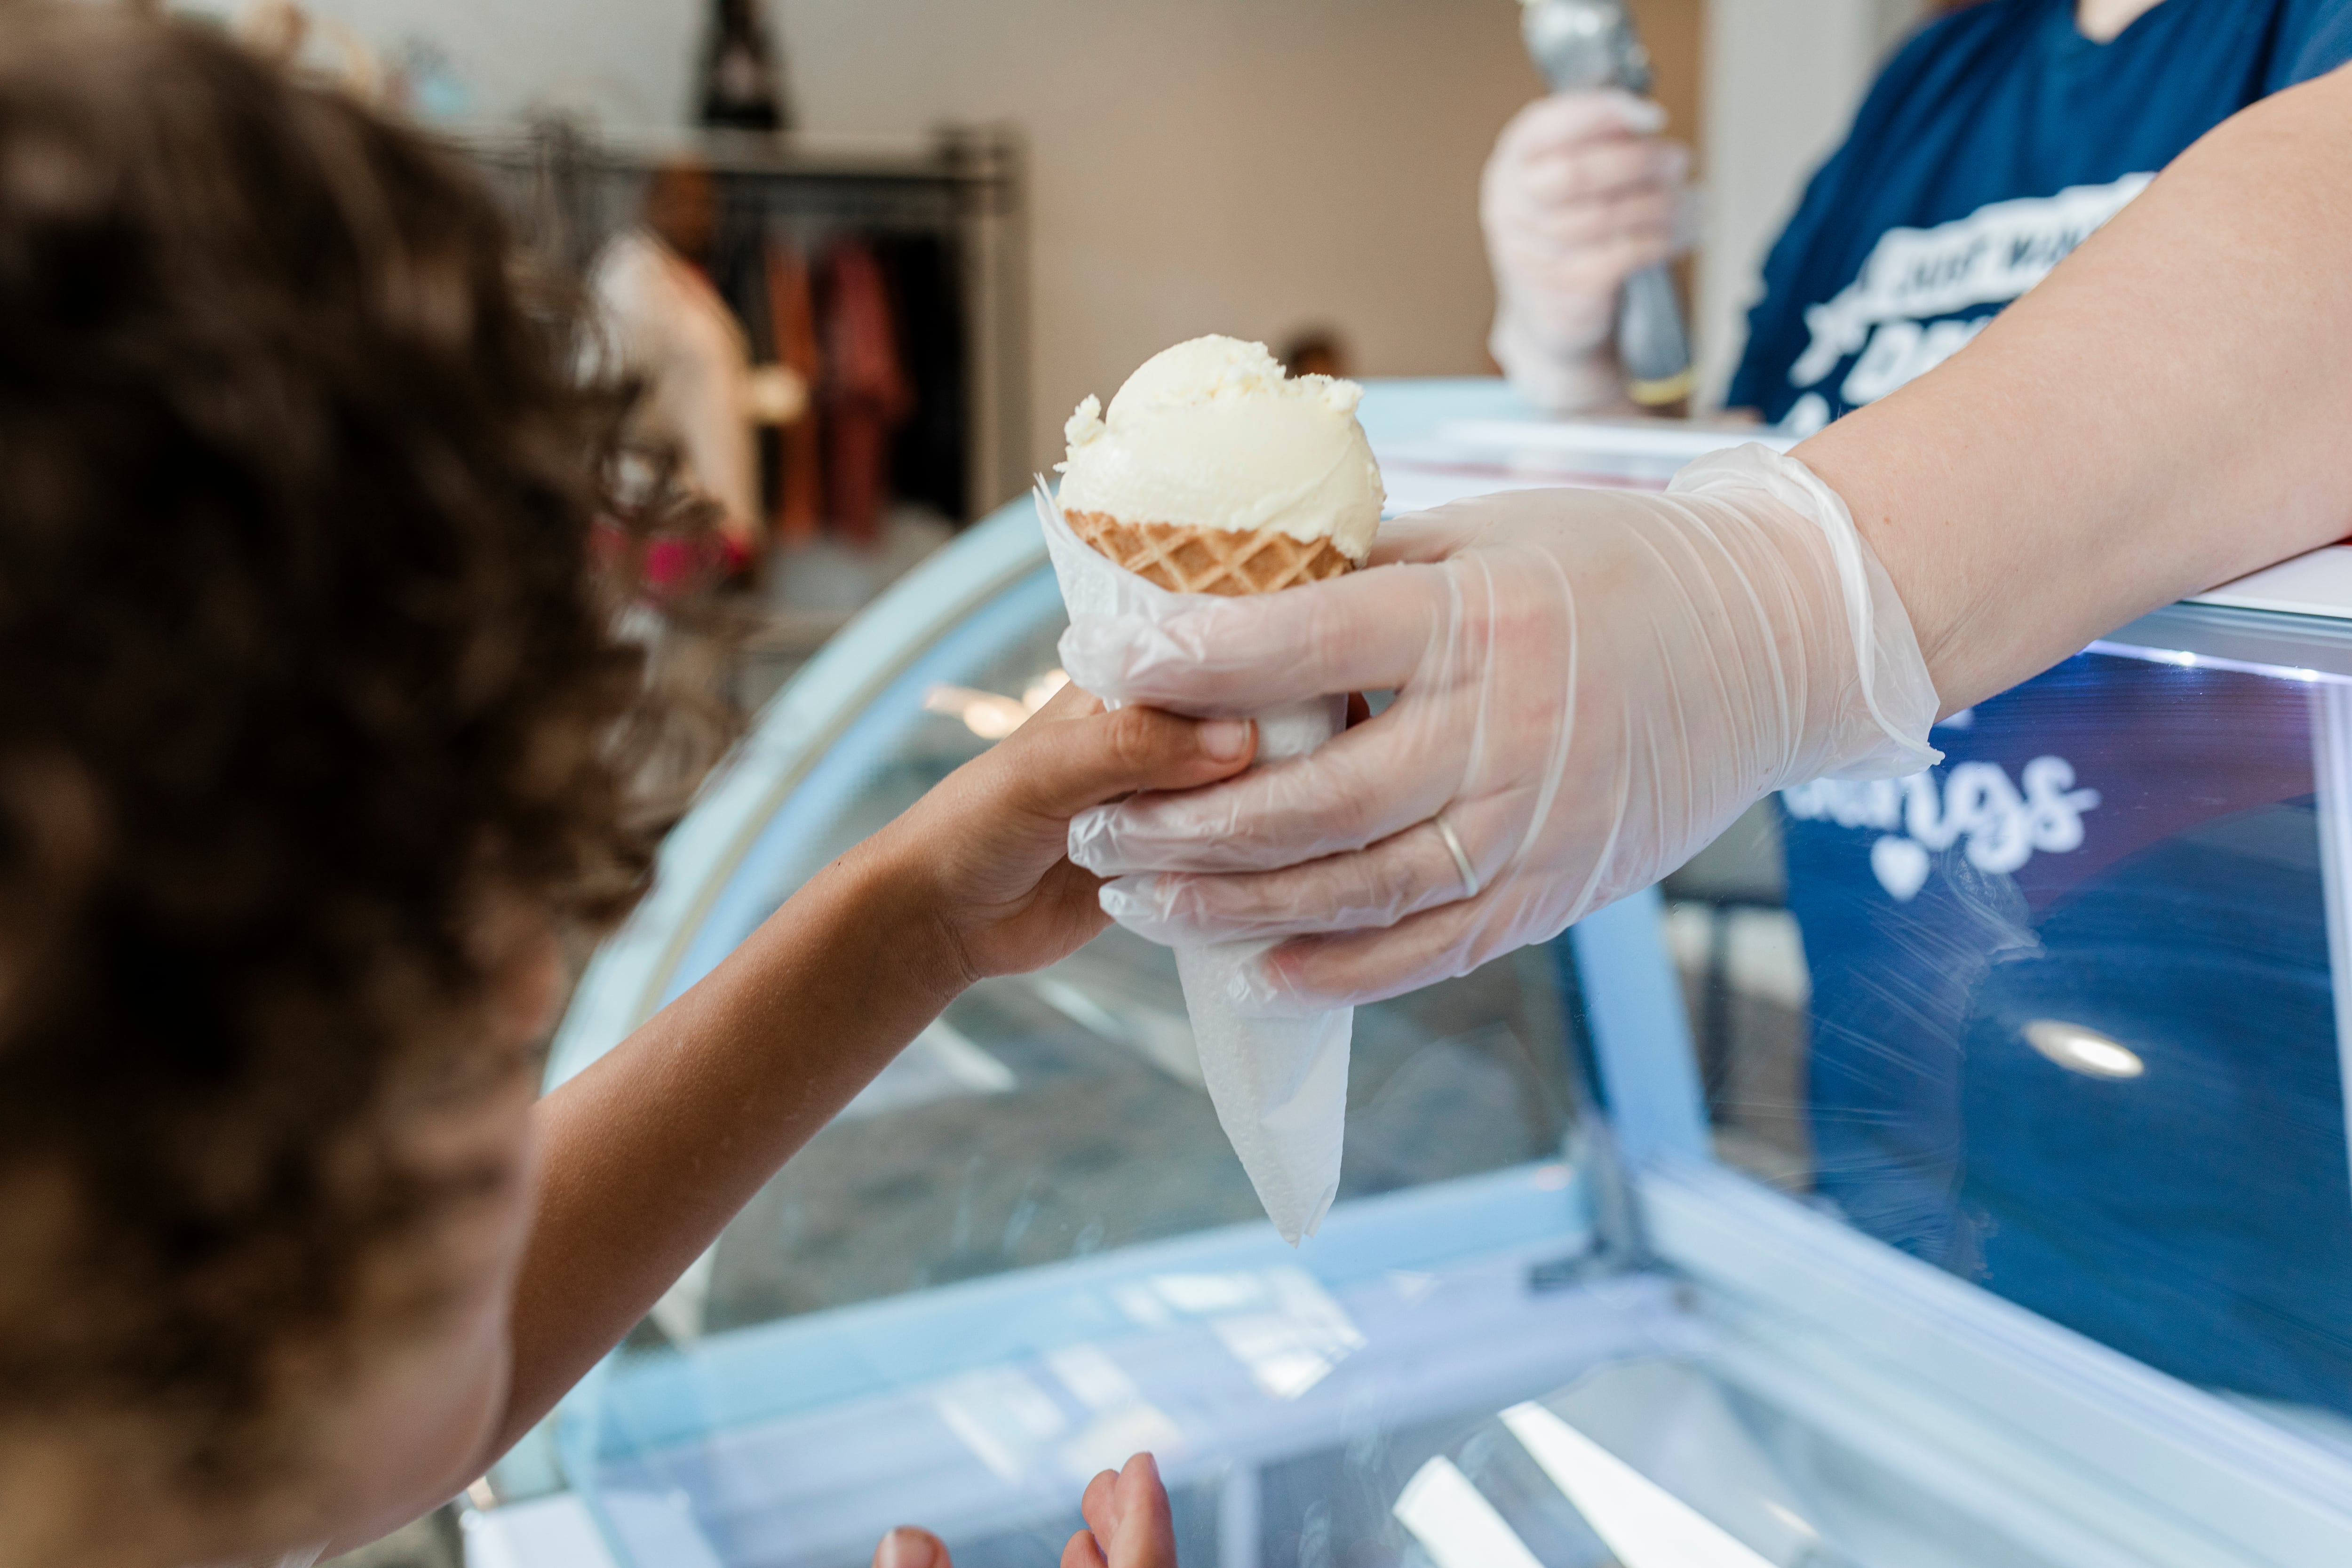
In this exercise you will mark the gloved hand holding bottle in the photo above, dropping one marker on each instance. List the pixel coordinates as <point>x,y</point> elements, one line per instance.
<point>1589,685</point>
<point>1578,195</point>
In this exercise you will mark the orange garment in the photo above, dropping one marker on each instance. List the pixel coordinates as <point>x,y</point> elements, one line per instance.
<point>866,397</point>
<point>792,316</point>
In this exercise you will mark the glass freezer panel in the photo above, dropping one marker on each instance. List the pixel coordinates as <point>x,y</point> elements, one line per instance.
<point>1696,1460</point>
<point>1061,1115</point>
<point>2071,1039</point>
<point>1026,1249</point>
<point>2060,1015</point>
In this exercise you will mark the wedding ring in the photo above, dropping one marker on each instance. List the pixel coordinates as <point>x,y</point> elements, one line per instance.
<point>1461,855</point>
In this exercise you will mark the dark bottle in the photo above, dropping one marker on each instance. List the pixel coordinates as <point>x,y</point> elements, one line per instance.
<point>743,80</point>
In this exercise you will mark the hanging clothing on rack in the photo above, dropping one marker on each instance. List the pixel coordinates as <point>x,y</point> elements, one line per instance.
<point>866,393</point>
<point>667,325</point>
<point>792,318</point>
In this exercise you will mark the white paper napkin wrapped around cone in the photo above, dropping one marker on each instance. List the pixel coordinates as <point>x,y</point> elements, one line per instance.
<point>1280,1085</point>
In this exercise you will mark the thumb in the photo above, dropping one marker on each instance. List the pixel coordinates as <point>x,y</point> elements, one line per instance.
<point>1061,766</point>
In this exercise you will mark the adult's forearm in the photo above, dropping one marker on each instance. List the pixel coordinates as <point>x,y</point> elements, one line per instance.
<point>645,1155</point>
<point>2170,408</point>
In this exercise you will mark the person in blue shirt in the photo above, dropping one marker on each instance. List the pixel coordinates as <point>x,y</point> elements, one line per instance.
<point>1991,144</point>
<point>2201,1218</point>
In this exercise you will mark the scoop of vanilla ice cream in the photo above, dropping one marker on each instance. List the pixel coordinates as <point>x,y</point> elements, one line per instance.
<point>1212,434</point>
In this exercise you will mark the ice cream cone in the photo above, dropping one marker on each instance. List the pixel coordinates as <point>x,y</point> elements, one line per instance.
<point>1189,560</point>
<point>1214,472</point>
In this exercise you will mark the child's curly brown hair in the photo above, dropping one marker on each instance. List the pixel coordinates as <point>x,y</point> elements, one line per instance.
<point>301,672</point>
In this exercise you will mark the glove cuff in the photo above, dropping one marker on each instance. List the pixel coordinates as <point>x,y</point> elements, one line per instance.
<point>1882,732</point>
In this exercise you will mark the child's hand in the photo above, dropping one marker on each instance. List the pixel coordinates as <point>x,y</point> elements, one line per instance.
<point>908,1547</point>
<point>1130,1525</point>
<point>1126,1512</point>
<point>985,851</point>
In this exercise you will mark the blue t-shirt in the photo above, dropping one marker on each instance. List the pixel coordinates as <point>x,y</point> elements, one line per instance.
<point>1990,147</point>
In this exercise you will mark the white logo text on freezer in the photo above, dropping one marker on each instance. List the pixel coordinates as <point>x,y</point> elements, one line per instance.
<point>1975,804</point>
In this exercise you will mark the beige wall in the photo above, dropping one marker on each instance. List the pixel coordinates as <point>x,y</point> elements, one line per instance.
<point>1238,165</point>
<point>1246,166</point>
<point>618,62</point>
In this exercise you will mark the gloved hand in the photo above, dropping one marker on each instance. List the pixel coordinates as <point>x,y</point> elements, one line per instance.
<point>1590,686</point>
<point>1578,195</point>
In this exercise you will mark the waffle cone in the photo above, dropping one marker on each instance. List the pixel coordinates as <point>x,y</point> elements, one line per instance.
<point>1192,560</point>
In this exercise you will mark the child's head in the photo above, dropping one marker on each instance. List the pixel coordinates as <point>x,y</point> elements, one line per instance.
<point>305,721</point>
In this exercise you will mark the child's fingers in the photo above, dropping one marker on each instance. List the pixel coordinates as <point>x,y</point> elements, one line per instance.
<point>1099,1503</point>
<point>1063,767</point>
<point>906,1547</point>
<point>1145,1534</point>
<point>1085,1548</point>
<point>1127,1508</point>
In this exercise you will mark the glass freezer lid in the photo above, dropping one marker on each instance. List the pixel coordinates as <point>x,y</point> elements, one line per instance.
<point>1062,1113</point>
<point>1027,1246</point>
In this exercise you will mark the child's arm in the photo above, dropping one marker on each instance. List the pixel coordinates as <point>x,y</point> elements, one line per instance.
<point>646,1154</point>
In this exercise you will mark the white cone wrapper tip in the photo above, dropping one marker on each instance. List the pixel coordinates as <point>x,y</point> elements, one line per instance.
<point>1279,1085</point>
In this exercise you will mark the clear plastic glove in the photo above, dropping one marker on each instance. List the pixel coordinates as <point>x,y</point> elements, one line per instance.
<point>1590,686</point>
<point>1578,195</point>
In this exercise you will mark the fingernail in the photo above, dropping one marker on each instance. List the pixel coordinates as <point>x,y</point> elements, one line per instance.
<point>906,1547</point>
<point>1142,904</point>
<point>1226,739</point>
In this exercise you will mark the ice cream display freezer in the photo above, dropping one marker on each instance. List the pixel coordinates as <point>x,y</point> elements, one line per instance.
<point>1945,1172</point>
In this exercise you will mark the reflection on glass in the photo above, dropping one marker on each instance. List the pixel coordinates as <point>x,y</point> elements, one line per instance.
<point>1644,1524</point>
<point>2082,1050</point>
<point>2058,1016</point>
<point>987,714</point>
<point>1455,1524</point>
<point>1277,1322</point>
<point>1026,1250</point>
<point>1060,1115</point>
<point>1698,1463</point>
